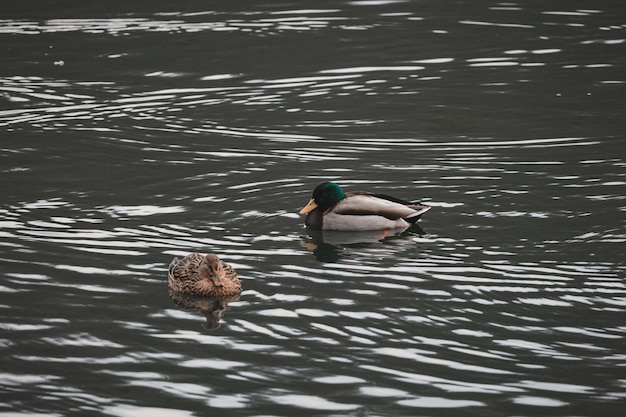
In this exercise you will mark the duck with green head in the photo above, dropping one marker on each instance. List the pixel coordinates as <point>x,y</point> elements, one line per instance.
<point>331,208</point>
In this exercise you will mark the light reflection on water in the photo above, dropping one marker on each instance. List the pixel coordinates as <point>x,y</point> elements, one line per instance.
<point>146,145</point>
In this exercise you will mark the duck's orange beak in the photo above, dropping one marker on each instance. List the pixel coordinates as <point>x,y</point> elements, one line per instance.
<point>309,207</point>
<point>217,280</point>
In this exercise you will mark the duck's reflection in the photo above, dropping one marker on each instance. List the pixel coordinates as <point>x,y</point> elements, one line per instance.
<point>212,308</point>
<point>326,245</point>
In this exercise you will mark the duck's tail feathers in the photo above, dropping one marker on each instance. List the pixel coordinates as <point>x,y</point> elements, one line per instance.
<point>419,210</point>
<point>173,265</point>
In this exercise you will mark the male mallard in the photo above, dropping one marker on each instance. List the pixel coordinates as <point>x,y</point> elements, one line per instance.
<point>208,275</point>
<point>333,209</point>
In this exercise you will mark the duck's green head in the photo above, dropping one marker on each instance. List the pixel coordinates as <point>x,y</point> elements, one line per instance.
<point>325,195</point>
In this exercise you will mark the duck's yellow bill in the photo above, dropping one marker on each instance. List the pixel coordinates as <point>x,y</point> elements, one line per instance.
<point>309,207</point>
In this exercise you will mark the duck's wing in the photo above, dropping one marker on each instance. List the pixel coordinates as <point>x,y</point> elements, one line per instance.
<point>232,284</point>
<point>417,206</point>
<point>362,203</point>
<point>394,199</point>
<point>185,268</point>
<point>229,271</point>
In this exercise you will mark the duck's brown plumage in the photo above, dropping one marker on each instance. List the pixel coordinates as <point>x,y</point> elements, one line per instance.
<point>196,274</point>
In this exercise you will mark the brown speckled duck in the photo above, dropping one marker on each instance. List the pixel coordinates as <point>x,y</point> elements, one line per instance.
<point>200,275</point>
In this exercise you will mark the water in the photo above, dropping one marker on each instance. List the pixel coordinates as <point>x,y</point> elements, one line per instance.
<point>135,133</point>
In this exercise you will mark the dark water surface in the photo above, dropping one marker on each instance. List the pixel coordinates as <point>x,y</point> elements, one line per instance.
<point>133,133</point>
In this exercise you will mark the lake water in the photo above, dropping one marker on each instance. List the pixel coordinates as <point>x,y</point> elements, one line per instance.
<point>132,133</point>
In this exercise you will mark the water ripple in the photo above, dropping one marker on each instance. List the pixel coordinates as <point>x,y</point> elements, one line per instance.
<point>205,131</point>
<point>211,21</point>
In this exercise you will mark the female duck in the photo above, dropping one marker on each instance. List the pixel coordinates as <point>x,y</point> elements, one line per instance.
<point>200,275</point>
<point>333,209</point>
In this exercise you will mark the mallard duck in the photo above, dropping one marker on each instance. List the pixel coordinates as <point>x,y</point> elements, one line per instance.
<point>331,208</point>
<point>196,274</point>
